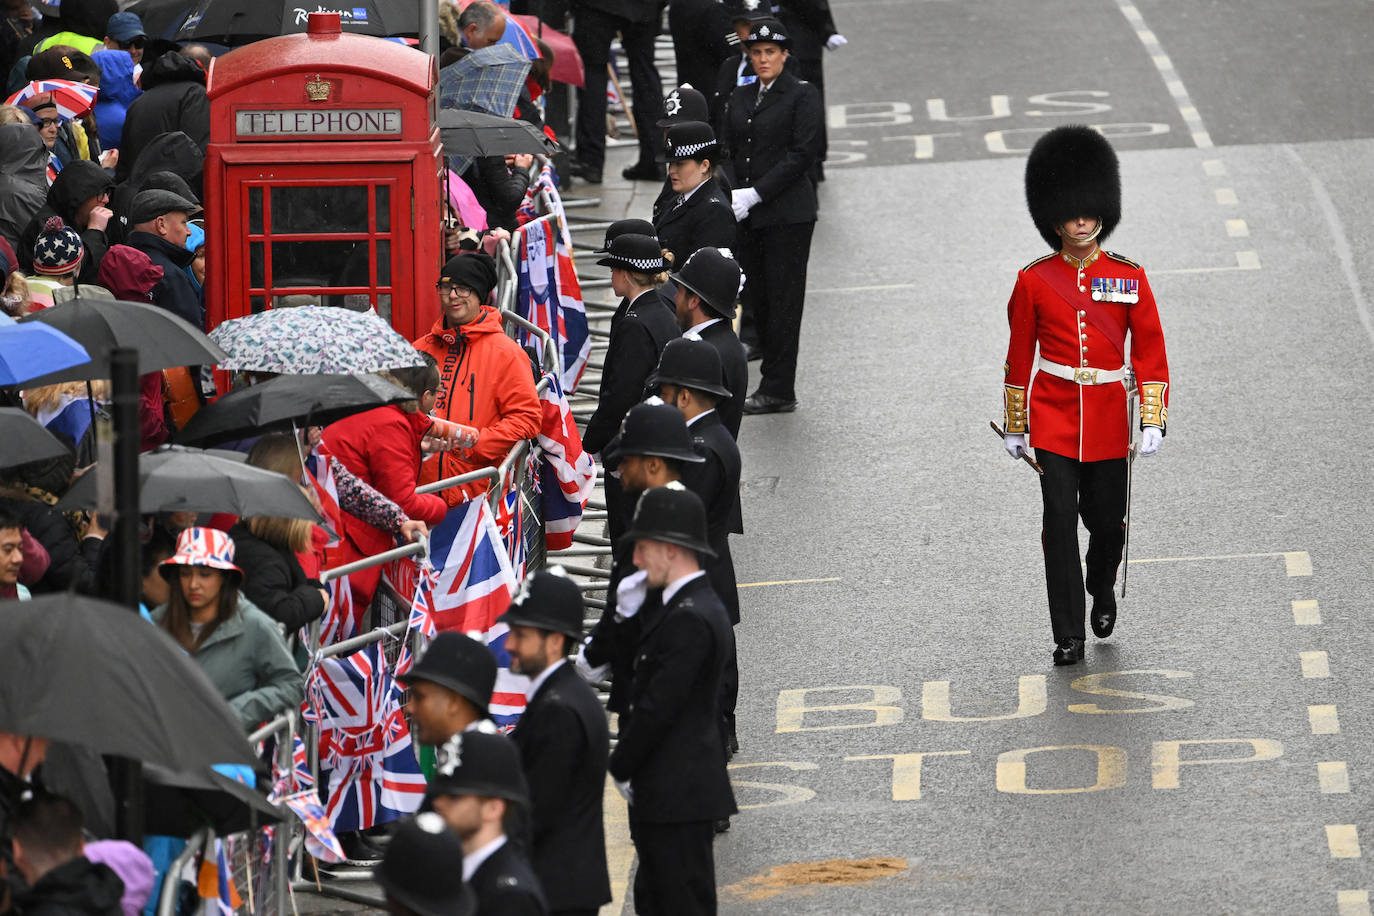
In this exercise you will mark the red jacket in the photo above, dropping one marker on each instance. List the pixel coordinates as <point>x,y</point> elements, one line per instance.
<point>382,447</point>
<point>1084,422</point>
<point>487,383</point>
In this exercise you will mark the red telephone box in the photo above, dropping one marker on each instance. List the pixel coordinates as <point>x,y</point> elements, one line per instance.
<point>322,177</point>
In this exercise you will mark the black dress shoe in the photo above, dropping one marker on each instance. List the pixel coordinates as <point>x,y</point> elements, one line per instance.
<point>358,851</point>
<point>585,172</point>
<point>1104,614</point>
<point>722,825</point>
<point>1068,652</point>
<point>759,402</point>
<point>644,171</point>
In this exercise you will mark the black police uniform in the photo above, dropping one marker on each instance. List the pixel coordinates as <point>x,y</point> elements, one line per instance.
<point>734,362</point>
<point>564,744</point>
<point>506,885</point>
<point>595,24</point>
<point>810,25</point>
<point>639,331</point>
<point>700,30</point>
<point>716,481</point>
<point>671,750</point>
<point>703,219</point>
<point>773,142</point>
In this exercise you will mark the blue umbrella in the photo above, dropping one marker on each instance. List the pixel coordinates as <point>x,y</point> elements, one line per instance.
<point>32,349</point>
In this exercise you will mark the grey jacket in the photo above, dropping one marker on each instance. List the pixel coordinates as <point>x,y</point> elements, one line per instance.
<point>247,659</point>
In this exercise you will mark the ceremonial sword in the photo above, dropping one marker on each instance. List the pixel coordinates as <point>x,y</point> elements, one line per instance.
<point>1132,417</point>
<point>1024,456</point>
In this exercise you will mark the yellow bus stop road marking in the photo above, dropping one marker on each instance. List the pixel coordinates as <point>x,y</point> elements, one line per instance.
<point>786,582</point>
<point>1296,562</point>
<point>1352,903</point>
<point>1343,840</point>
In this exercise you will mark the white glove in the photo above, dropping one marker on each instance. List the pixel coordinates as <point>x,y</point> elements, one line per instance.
<point>835,42</point>
<point>630,594</point>
<point>742,200</point>
<point>584,668</point>
<point>625,791</point>
<point>1015,444</point>
<point>1150,437</point>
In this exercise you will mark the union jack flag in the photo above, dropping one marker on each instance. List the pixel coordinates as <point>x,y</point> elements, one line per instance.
<point>567,475</point>
<point>549,294</point>
<point>421,615</point>
<point>341,619</point>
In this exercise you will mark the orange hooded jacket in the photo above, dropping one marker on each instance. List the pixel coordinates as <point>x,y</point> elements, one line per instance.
<point>486,382</point>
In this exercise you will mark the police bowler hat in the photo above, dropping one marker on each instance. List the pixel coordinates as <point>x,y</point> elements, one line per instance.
<point>690,362</point>
<point>417,870</point>
<point>768,30</point>
<point>625,227</point>
<point>458,663</point>
<point>672,514</point>
<point>635,252</point>
<point>655,429</point>
<point>548,600</point>
<point>690,140</point>
<point>480,763</point>
<point>684,103</point>
<point>713,276</point>
<point>749,9</point>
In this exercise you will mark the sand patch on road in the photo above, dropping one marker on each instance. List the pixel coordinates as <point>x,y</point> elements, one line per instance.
<point>808,877</point>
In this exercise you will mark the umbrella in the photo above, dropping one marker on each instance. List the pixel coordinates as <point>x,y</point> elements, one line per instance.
<point>30,350</point>
<point>26,440</point>
<point>72,99</point>
<point>238,21</point>
<point>475,133</point>
<point>174,478</point>
<point>313,340</point>
<point>567,62</point>
<point>314,400</point>
<point>180,803</point>
<point>161,18</point>
<point>489,79</point>
<point>88,672</point>
<point>162,339</point>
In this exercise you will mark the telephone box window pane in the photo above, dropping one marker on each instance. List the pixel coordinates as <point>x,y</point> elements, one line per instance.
<point>319,209</point>
<point>384,306</point>
<point>256,304</point>
<point>256,277</point>
<point>319,264</point>
<point>255,211</point>
<point>383,208</point>
<point>383,263</point>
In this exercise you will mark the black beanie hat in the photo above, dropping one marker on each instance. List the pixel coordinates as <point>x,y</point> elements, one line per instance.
<point>473,269</point>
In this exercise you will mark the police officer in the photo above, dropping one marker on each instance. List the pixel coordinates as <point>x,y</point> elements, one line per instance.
<point>450,687</point>
<point>417,873</point>
<point>685,103</point>
<point>736,70</point>
<point>707,287</point>
<point>1078,305</point>
<point>773,135</point>
<point>688,377</point>
<point>669,760</point>
<point>812,29</point>
<point>563,741</point>
<point>699,214</point>
<point>478,789</point>
<point>701,32</point>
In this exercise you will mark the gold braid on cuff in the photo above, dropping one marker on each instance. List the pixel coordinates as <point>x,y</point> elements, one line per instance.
<point>1152,409</point>
<point>1013,410</point>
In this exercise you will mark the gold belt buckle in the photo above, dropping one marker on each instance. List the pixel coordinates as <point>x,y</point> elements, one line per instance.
<point>1085,376</point>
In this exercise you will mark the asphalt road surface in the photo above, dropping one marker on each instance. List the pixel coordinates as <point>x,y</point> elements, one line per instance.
<point>900,709</point>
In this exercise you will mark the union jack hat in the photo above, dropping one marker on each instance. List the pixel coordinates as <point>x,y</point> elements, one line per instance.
<point>202,547</point>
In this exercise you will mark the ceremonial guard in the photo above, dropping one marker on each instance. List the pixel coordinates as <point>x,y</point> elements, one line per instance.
<point>669,761</point>
<point>1079,305</point>
<point>564,743</point>
<point>707,288</point>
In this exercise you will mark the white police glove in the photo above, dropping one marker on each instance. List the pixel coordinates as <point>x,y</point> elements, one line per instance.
<point>835,42</point>
<point>1150,438</point>
<point>584,668</point>
<point>630,594</point>
<point>1015,444</point>
<point>625,791</point>
<point>742,200</point>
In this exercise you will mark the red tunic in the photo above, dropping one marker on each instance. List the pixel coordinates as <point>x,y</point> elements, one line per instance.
<point>1085,422</point>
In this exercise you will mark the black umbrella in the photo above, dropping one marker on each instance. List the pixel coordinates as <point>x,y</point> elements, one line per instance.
<point>175,478</point>
<point>476,133</point>
<point>180,803</point>
<point>26,440</point>
<point>235,22</point>
<point>161,18</point>
<point>313,400</point>
<point>84,671</point>
<point>163,340</point>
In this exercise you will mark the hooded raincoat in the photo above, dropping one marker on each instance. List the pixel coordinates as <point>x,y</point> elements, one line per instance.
<point>173,99</point>
<point>23,180</point>
<point>77,183</point>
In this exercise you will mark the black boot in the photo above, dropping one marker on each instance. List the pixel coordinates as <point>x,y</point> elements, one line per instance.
<point>1068,652</point>
<point>1104,614</point>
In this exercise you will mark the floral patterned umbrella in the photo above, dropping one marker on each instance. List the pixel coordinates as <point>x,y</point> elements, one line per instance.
<point>313,340</point>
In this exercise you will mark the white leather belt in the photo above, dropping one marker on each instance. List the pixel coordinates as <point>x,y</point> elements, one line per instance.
<point>1083,376</point>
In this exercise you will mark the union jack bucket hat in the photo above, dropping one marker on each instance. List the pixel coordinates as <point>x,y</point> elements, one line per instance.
<point>202,547</point>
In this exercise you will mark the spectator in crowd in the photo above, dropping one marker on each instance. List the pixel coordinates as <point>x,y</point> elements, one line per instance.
<point>76,138</point>
<point>699,215</point>
<point>17,21</point>
<point>117,91</point>
<point>266,547</point>
<point>450,687</point>
<point>132,865</point>
<point>11,557</point>
<point>131,275</point>
<point>563,741</point>
<point>78,23</point>
<point>707,287</point>
<point>57,257</point>
<point>124,32</point>
<point>669,761</point>
<point>159,546</point>
<point>169,162</point>
<point>79,195</point>
<point>161,223</point>
<point>382,448</point>
<point>173,99</point>
<point>28,492</point>
<point>499,183</point>
<point>48,852</point>
<point>23,177</point>
<point>417,873</point>
<point>238,647</point>
<point>479,790</point>
<point>486,380</point>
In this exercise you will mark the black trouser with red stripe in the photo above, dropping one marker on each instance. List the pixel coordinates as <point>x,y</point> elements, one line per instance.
<point>1096,492</point>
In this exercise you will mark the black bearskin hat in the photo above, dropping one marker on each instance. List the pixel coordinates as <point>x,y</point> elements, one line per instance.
<point>1072,172</point>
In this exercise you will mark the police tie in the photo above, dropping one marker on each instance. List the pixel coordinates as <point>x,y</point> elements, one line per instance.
<point>758,99</point>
